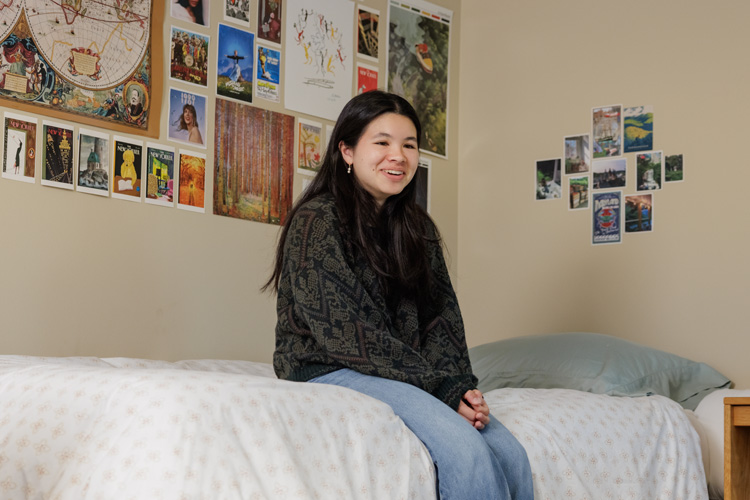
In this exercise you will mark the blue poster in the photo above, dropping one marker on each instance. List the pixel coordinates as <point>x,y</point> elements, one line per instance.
<point>234,63</point>
<point>639,128</point>
<point>607,209</point>
<point>187,117</point>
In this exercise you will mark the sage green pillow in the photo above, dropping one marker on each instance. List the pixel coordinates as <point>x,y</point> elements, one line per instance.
<point>593,362</point>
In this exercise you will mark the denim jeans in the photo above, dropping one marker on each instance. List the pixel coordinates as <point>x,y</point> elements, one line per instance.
<point>474,465</point>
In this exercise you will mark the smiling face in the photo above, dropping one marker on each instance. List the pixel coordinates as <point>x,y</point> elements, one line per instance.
<point>187,115</point>
<point>385,158</point>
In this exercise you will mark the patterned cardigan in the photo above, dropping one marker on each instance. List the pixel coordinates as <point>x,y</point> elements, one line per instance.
<point>332,315</point>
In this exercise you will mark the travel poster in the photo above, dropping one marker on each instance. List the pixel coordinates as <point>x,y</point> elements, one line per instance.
<point>606,210</point>
<point>639,128</point>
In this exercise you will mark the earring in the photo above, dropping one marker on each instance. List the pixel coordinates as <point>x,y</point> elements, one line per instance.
<point>349,170</point>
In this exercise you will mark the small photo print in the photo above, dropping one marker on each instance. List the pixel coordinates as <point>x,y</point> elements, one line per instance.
<point>127,167</point>
<point>548,179</point>
<point>367,78</point>
<point>423,179</point>
<point>607,131</point>
<point>639,128</point>
<point>192,181</point>
<point>189,57</point>
<point>234,65</point>
<point>237,11</point>
<point>639,213</point>
<point>57,155</point>
<point>674,170</point>
<point>606,210</point>
<point>187,117</point>
<point>649,170</point>
<point>269,20</point>
<point>368,22</point>
<point>19,148</point>
<point>578,191</point>
<point>610,173</point>
<point>93,162</point>
<point>192,11</point>
<point>160,175</point>
<point>577,154</point>
<point>267,75</point>
<point>310,146</point>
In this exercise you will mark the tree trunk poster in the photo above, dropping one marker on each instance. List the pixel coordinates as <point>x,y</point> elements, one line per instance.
<point>253,177</point>
<point>87,58</point>
<point>418,49</point>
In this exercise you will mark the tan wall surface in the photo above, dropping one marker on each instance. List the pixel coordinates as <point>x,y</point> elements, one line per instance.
<point>83,275</point>
<point>530,74</point>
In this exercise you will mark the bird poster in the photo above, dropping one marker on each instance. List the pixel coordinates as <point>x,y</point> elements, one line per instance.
<point>127,167</point>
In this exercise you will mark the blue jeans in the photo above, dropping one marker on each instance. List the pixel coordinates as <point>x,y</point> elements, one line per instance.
<point>474,465</point>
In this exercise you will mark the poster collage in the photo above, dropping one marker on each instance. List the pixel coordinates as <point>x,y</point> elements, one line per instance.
<point>600,177</point>
<point>331,49</point>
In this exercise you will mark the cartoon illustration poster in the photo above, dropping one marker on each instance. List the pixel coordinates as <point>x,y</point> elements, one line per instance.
<point>639,213</point>
<point>417,66</point>
<point>578,190</point>
<point>234,64</point>
<point>160,175</point>
<point>192,181</point>
<point>19,149</point>
<point>269,20</point>
<point>548,179</point>
<point>650,170</point>
<point>57,155</point>
<point>606,210</point>
<point>127,167</point>
<point>639,128</point>
<point>237,11</point>
<point>267,75</point>
<point>82,59</point>
<point>187,117</point>
<point>577,154</point>
<point>318,56</point>
<point>367,78</point>
<point>607,131</point>
<point>189,57</point>
<point>310,147</point>
<point>93,162</point>
<point>253,178</point>
<point>368,22</point>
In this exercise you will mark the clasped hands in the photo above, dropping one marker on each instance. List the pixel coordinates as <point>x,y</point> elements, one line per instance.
<point>474,409</point>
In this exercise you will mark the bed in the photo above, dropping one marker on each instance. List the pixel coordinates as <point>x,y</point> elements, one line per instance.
<point>120,428</point>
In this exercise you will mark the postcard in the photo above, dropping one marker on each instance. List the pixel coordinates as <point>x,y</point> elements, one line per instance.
<point>577,154</point>
<point>237,11</point>
<point>192,181</point>
<point>187,117</point>
<point>309,146</point>
<point>649,170</point>
<point>189,57</point>
<point>269,21</point>
<point>610,173</point>
<point>674,168</point>
<point>548,179</point>
<point>93,162</point>
<point>639,213</point>
<point>367,78</point>
<point>234,64</point>
<point>606,210</point>
<point>19,150</point>
<point>578,191</point>
<point>159,175</point>
<point>639,128</point>
<point>57,155</point>
<point>267,75</point>
<point>127,168</point>
<point>368,23</point>
<point>607,131</point>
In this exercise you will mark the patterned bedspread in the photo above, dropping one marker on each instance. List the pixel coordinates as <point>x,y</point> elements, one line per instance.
<point>119,428</point>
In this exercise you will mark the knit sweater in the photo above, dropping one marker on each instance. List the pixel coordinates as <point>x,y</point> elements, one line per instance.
<point>332,314</point>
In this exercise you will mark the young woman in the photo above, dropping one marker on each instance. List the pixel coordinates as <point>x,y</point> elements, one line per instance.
<point>365,302</point>
<point>189,122</point>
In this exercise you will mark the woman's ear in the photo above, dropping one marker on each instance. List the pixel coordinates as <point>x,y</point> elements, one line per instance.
<point>347,152</point>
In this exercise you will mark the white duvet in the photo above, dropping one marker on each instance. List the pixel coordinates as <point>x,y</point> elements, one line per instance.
<point>87,428</point>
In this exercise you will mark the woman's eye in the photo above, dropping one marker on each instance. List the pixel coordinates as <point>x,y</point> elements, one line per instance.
<point>410,146</point>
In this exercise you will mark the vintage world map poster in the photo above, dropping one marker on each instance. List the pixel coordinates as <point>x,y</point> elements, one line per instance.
<point>90,58</point>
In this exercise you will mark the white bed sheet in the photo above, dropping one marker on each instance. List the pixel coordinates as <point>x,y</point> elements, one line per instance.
<point>79,428</point>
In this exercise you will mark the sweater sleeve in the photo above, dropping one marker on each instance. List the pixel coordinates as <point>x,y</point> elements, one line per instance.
<point>344,320</point>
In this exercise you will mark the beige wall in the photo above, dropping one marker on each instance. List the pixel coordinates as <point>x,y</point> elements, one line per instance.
<point>530,74</point>
<point>83,275</point>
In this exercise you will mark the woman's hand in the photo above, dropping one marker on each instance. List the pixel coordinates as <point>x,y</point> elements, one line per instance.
<point>474,409</point>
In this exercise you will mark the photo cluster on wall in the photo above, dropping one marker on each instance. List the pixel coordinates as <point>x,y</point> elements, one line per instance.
<point>229,61</point>
<point>613,171</point>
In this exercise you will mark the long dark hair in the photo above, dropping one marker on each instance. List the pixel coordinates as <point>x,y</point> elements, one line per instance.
<point>393,238</point>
